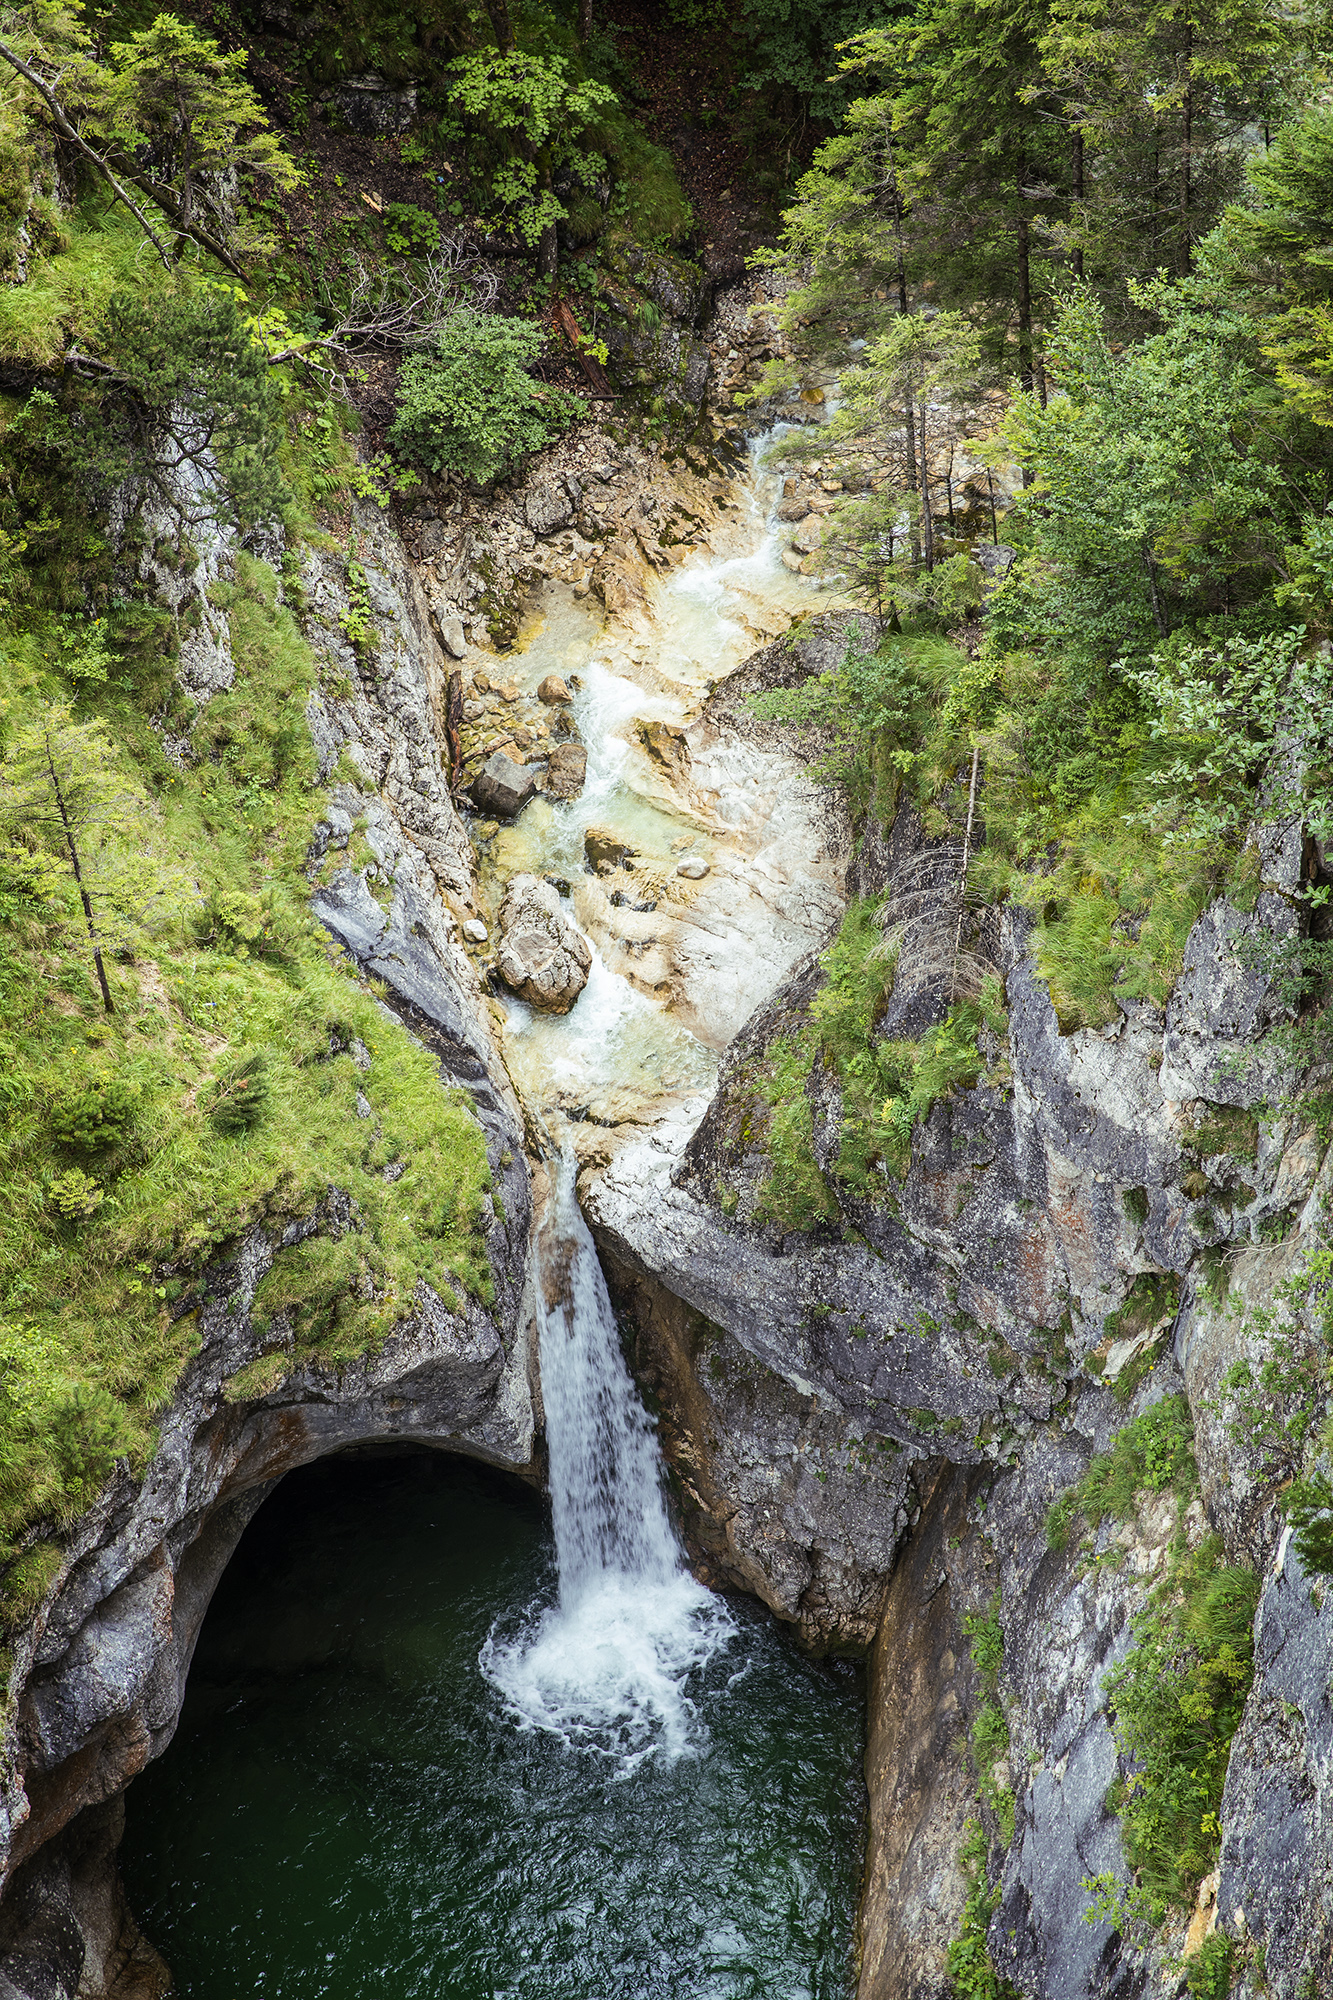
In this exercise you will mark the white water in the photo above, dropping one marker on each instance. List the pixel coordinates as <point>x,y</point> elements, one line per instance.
<point>607,1667</point>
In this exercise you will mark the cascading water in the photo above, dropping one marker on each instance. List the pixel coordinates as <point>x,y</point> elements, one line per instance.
<point>371,1789</point>
<point>608,1665</point>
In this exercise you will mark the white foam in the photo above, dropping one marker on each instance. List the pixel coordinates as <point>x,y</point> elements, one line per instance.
<point>607,1667</point>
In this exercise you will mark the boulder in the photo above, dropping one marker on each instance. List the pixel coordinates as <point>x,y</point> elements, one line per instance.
<point>566,771</point>
<point>808,535</point>
<point>547,507</point>
<point>603,849</point>
<point>503,787</point>
<point>451,637</point>
<point>666,745</point>
<point>693,868</point>
<point>553,691</point>
<point>543,957</point>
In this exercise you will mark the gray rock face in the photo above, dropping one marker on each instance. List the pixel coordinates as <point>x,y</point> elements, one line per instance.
<point>503,787</point>
<point>543,955</point>
<point>547,507</point>
<point>1277,1854</point>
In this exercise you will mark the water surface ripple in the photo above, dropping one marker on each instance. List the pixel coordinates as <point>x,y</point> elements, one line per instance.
<point>350,1807</point>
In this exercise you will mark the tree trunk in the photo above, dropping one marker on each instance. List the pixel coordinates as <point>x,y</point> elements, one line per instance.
<point>1186,145</point>
<point>927,524</point>
<point>453,723</point>
<point>1025,374</point>
<point>501,25</point>
<point>548,252</point>
<point>1158,618</point>
<point>78,877</point>
<point>1077,179</point>
<point>585,21</point>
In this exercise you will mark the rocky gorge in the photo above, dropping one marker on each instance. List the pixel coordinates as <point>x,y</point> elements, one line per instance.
<point>866,1418</point>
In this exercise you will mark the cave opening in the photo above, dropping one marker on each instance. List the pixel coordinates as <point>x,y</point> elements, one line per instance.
<point>348,1809</point>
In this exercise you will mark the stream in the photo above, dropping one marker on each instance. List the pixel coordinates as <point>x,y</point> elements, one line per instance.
<point>433,1742</point>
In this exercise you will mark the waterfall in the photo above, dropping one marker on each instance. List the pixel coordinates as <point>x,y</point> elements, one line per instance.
<point>607,1666</point>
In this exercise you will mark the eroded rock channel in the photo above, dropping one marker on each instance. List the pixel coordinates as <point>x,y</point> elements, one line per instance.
<point>865,1420</point>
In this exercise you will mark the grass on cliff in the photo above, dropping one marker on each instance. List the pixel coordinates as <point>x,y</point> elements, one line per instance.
<point>1175,1701</point>
<point>1072,787</point>
<point>127,1166</point>
<point>887,1086</point>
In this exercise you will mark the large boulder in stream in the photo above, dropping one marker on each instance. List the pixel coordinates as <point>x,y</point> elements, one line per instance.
<point>566,771</point>
<point>544,957</point>
<point>502,787</point>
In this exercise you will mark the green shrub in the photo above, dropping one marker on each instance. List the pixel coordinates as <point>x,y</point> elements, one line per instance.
<point>1208,1970</point>
<point>1176,1701</point>
<point>971,1973</point>
<point>75,1195</point>
<point>1309,1504</point>
<point>239,1098</point>
<point>471,407</point>
<point>94,1117</point>
<point>1154,1452</point>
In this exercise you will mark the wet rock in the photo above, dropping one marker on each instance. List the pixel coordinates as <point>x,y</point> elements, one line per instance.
<point>602,849</point>
<point>792,560</point>
<point>503,787</point>
<point>544,957</point>
<point>566,770</point>
<point>809,535</point>
<point>666,745</point>
<point>553,691</point>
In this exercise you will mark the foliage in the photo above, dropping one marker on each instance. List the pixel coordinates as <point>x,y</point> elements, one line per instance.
<point>990,1730</point>
<point>1309,1505</point>
<point>541,114</point>
<point>1176,1700</point>
<point>1208,1970</point>
<point>470,407</point>
<point>172,117</point>
<point>793,44</point>
<point>1223,712</point>
<point>1154,1453</point>
<point>238,1098</point>
<point>181,406</point>
<point>795,1194</point>
<point>971,1972</point>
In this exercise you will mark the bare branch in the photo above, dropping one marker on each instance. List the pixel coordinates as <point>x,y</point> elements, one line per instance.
<point>394,309</point>
<point>157,192</point>
<point>68,130</point>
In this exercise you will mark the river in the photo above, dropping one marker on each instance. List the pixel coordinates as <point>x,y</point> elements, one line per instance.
<point>435,1743</point>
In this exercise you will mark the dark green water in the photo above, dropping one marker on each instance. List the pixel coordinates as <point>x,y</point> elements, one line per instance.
<point>347,1811</point>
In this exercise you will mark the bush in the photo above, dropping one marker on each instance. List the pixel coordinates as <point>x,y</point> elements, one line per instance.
<point>239,1097</point>
<point>1176,1700</point>
<point>471,407</point>
<point>971,1973</point>
<point>1208,1970</point>
<point>95,1117</point>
